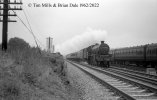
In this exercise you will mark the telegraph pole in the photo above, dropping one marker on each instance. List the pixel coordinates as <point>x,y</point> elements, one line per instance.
<point>6,8</point>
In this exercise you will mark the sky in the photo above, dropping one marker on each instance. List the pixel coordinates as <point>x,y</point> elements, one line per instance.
<point>120,23</point>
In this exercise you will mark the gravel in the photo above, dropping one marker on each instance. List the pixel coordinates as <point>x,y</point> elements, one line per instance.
<point>85,87</point>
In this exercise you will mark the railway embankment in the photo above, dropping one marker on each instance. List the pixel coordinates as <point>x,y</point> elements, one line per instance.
<point>26,74</point>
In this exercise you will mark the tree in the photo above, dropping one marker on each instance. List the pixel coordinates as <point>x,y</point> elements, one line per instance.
<point>17,44</point>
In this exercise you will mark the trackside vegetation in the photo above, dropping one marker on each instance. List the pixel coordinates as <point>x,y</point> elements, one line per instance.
<point>28,73</point>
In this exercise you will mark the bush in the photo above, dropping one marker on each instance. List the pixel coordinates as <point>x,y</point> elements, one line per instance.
<point>17,44</point>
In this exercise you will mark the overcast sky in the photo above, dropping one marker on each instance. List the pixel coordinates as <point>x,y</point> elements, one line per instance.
<point>121,23</point>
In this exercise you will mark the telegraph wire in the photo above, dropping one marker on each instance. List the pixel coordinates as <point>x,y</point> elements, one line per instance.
<point>28,30</point>
<point>30,26</point>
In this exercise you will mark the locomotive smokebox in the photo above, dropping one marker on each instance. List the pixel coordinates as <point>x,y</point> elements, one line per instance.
<point>101,49</point>
<point>102,42</point>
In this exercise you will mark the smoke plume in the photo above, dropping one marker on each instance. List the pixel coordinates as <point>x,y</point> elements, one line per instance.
<point>87,38</point>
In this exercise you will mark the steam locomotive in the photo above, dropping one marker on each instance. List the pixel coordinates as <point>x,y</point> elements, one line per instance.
<point>97,54</point>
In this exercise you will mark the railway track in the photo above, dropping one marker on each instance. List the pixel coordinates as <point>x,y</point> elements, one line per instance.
<point>135,72</point>
<point>150,79</point>
<point>126,87</point>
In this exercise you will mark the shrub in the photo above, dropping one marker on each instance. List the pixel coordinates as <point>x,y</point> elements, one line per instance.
<point>17,44</point>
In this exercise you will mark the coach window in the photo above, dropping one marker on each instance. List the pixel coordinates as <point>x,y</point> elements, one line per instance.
<point>151,52</point>
<point>133,52</point>
<point>140,52</point>
<point>154,51</point>
<point>137,52</point>
<point>128,52</point>
<point>148,51</point>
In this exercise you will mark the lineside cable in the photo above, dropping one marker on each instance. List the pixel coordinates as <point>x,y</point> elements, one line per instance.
<point>28,30</point>
<point>26,15</point>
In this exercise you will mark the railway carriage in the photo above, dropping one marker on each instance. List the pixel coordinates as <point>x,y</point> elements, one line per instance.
<point>129,55</point>
<point>151,55</point>
<point>72,56</point>
<point>82,54</point>
<point>140,55</point>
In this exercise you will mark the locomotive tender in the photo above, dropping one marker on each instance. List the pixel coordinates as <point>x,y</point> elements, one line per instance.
<point>97,54</point>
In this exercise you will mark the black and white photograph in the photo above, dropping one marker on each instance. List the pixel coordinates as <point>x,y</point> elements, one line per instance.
<point>78,49</point>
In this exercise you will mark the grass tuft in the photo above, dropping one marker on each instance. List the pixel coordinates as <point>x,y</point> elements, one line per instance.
<point>10,89</point>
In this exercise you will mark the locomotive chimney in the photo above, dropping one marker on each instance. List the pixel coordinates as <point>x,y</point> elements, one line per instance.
<point>102,42</point>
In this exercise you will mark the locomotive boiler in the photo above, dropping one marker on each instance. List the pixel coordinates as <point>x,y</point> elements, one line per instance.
<point>98,54</point>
